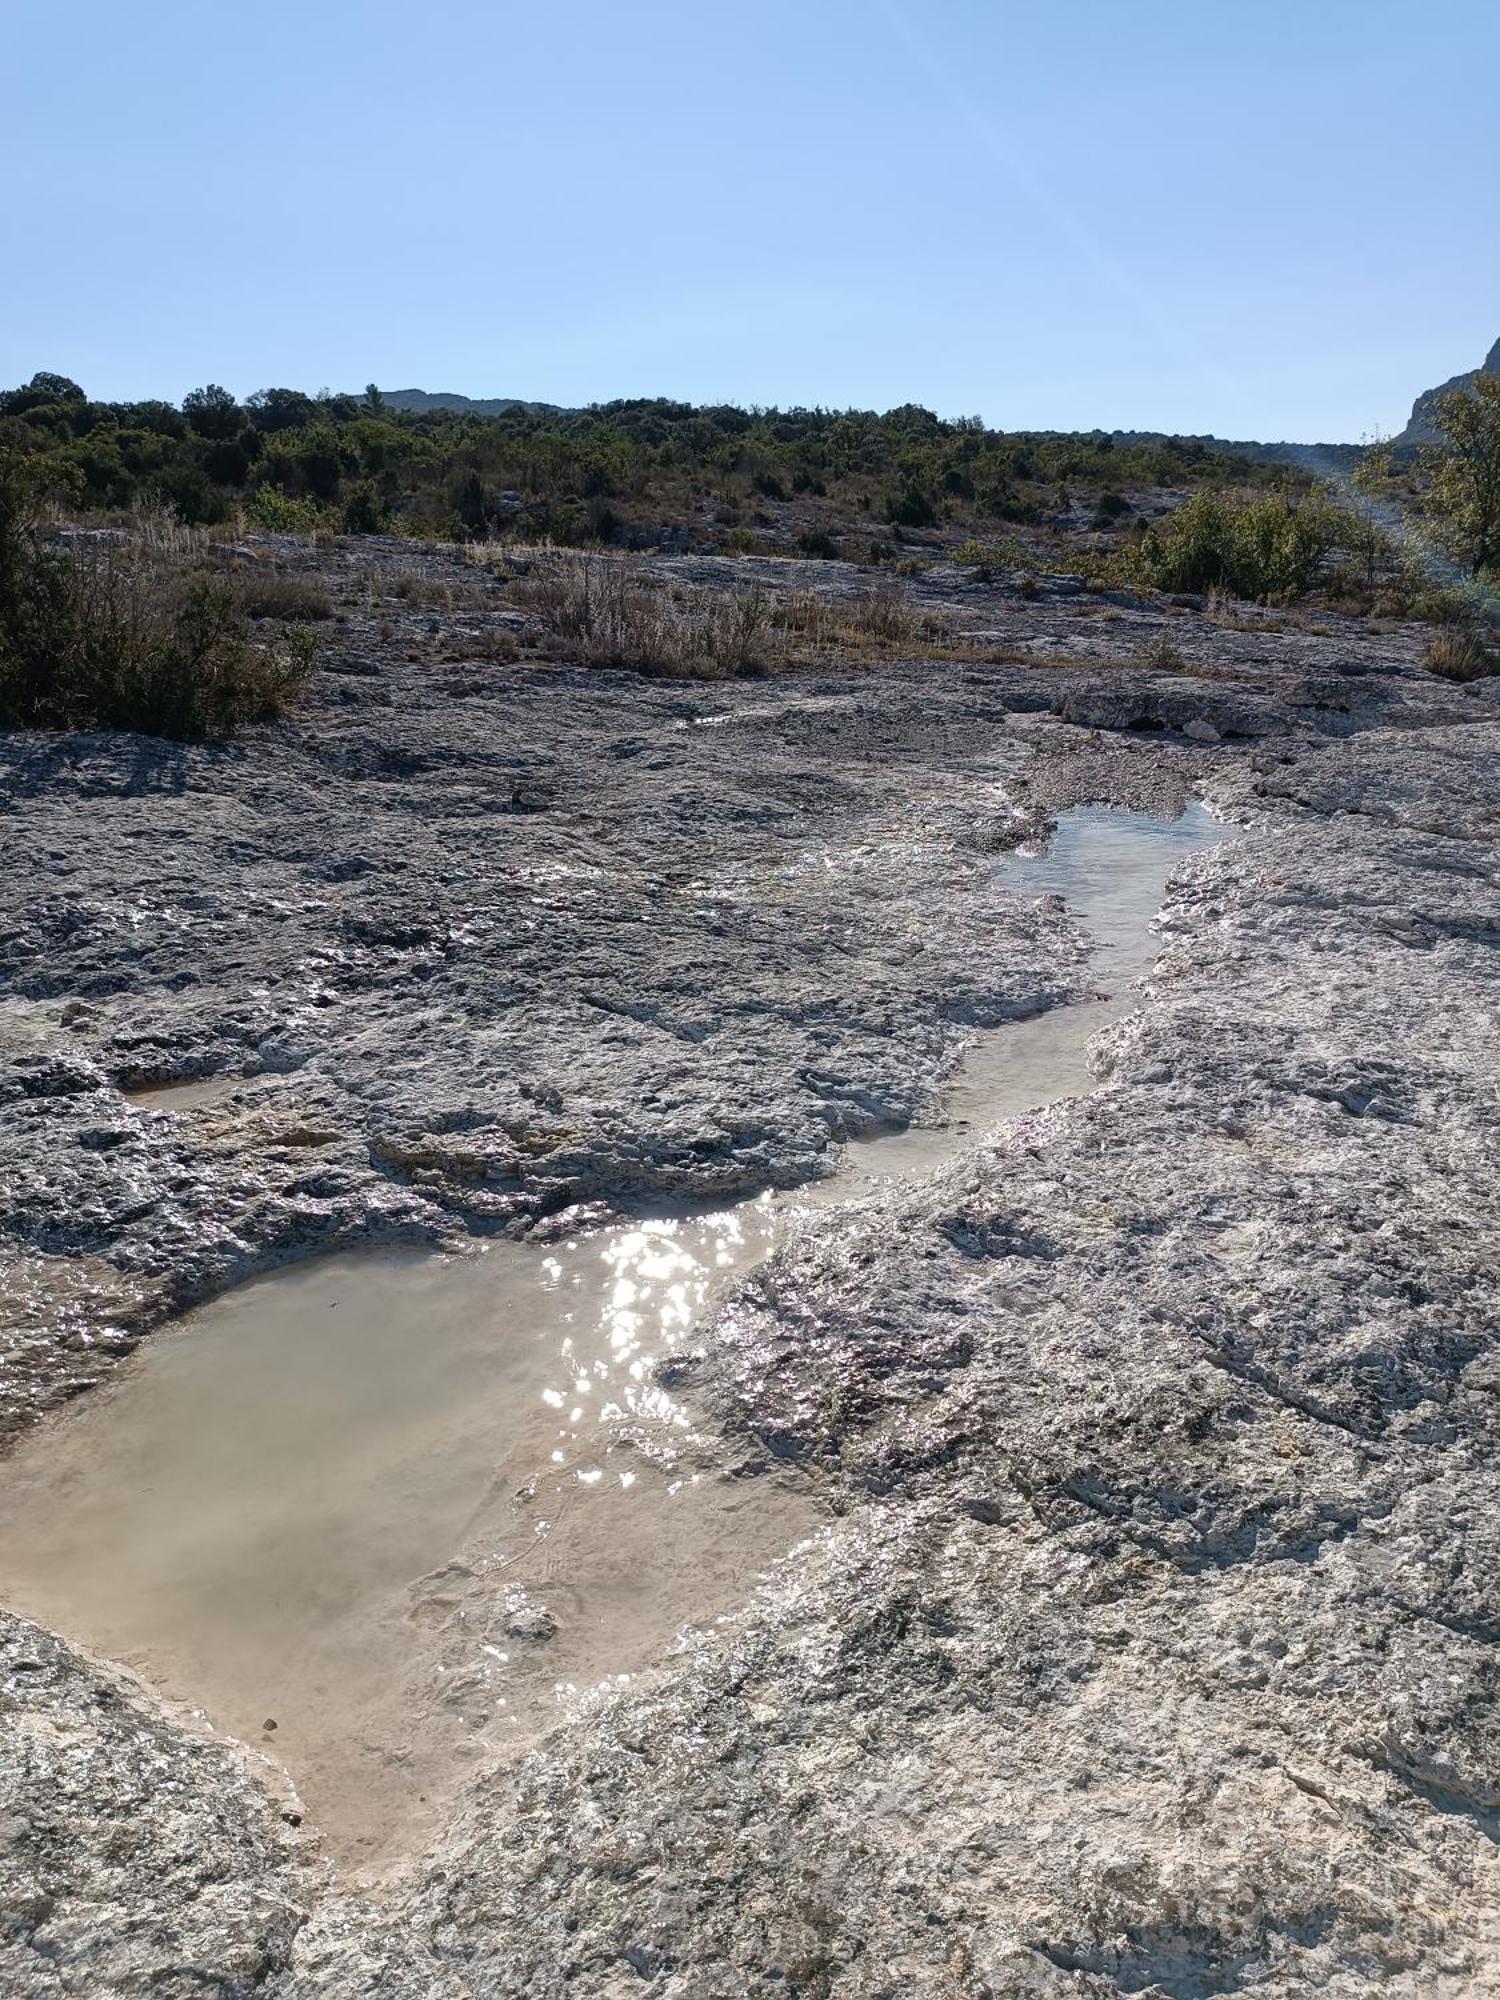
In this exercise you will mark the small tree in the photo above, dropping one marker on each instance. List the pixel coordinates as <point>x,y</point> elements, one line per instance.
<point>1375,468</point>
<point>280,409</point>
<point>212,411</point>
<point>55,388</point>
<point>42,389</point>
<point>1465,471</point>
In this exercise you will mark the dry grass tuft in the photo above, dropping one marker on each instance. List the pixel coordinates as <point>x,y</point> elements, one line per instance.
<point>1460,654</point>
<point>496,646</point>
<point>1162,656</point>
<point>127,637</point>
<point>601,613</point>
<point>607,613</point>
<point>881,616</point>
<point>443,593</point>
<point>276,594</point>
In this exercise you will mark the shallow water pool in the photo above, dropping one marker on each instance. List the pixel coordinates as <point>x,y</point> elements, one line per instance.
<point>382,1514</point>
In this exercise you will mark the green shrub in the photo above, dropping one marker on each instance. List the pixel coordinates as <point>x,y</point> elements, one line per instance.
<point>212,412</point>
<point>43,389</point>
<point>985,557</point>
<point>190,494</point>
<point>226,462</point>
<point>913,505</point>
<point>1465,472</point>
<point>365,513</point>
<point>1268,548</point>
<point>1446,603</point>
<point>818,544</point>
<point>277,513</point>
<point>100,642</point>
<point>280,409</point>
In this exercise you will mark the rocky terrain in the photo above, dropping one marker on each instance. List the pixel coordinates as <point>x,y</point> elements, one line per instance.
<point>1147,1645</point>
<point>1421,425</point>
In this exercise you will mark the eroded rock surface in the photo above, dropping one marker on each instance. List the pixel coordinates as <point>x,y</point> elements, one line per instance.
<point>135,1857</point>
<point>1149,1646</point>
<point>1155,1650</point>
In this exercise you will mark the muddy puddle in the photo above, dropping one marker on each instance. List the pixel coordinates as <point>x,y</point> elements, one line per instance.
<point>184,1096</point>
<point>380,1511</point>
<point>1111,868</point>
<point>383,1516</point>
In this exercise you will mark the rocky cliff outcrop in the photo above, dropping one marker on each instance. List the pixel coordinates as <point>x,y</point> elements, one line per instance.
<point>1421,426</point>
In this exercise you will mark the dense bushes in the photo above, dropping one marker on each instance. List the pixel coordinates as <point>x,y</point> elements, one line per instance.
<point>1464,470</point>
<point>1271,548</point>
<point>1276,549</point>
<point>356,464</point>
<point>106,641</point>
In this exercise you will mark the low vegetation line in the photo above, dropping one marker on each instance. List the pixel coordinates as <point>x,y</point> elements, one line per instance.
<point>811,482</point>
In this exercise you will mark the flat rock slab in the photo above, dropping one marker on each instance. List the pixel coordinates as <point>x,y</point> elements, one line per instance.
<point>1149,1647</point>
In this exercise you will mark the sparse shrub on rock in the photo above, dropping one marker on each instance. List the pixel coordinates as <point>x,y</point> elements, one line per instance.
<point>275,594</point>
<point>984,558</point>
<point>1461,654</point>
<point>818,544</point>
<point>601,613</point>
<point>111,641</point>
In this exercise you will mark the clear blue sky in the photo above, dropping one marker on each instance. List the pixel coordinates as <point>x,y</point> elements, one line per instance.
<point>1264,218</point>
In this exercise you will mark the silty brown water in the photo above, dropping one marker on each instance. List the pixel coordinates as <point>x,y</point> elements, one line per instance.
<point>383,1515</point>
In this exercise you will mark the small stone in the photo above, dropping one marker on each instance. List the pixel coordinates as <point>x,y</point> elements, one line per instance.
<point>1201,731</point>
<point>530,1621</point>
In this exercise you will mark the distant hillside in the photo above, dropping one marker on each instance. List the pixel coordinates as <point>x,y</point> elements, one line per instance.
<point>1421,426</point>
<point>1318,458</point>
<point>644,472</point>
<point>420,400</point>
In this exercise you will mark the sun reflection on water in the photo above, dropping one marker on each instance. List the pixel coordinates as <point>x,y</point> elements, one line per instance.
<point>648,1288</point>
